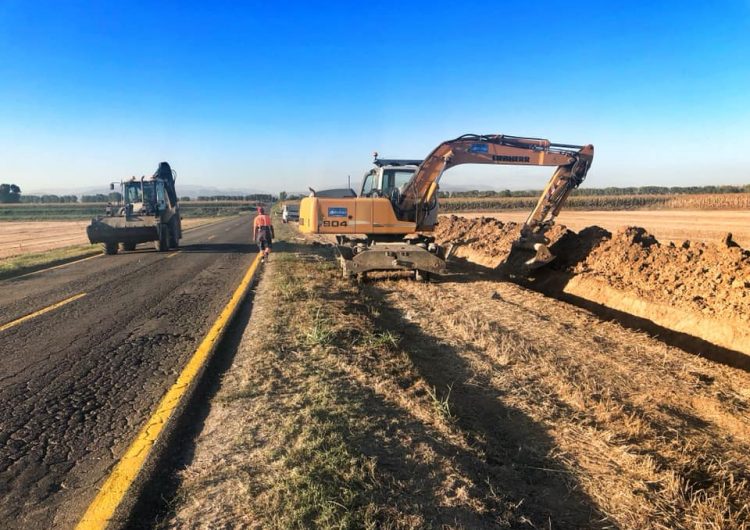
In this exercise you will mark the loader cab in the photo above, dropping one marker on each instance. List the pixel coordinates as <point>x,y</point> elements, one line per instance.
<point>144,196</point>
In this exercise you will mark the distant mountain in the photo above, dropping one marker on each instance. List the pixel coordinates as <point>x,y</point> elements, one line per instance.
<point>183,190</point>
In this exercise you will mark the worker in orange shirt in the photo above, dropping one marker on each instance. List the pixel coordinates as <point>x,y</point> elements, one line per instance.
<point>263,232</point>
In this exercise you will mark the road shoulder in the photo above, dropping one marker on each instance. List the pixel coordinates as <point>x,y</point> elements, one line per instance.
<point>323,420</point>
<point>463,403</point>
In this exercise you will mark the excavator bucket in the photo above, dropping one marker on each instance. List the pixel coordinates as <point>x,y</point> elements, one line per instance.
<point>542,257</point>
<point>527,255</point>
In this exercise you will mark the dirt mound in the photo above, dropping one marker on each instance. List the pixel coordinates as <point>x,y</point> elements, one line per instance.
<point>695,289</point>
<point>489,241</point>
<point>710,278</point>
<point>483,235</point>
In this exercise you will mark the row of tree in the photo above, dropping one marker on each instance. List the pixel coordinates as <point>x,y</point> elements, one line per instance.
<point>10,193</point>
<point>284,196</point>
<point>46,199</point>
<point>257,197</point>
<point>611,191</point>
<point>9,196</point>
<point>65,199</point>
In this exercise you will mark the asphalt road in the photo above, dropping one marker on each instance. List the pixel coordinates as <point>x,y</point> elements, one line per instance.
<point>77,382</point>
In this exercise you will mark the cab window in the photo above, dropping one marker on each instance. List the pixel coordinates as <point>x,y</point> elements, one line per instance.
<point>367,184</point>
<point>395,179</point>
<point>160,193</point>
<point>133,193</point>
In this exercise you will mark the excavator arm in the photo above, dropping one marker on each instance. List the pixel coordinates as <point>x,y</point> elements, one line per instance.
<point>572,161</point>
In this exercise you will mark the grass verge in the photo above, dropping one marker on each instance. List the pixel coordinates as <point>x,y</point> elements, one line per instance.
<point>324,422</point>
<point>26,263</point>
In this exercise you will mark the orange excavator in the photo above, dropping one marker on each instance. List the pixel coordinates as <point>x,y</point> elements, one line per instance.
<point>387,226</point>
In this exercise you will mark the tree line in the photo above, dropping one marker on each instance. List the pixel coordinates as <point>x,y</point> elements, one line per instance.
<point>66,199</point>
<point>10,193</point>
<point>258,197</point>
<point>610,191</point>
<point>284,196</point>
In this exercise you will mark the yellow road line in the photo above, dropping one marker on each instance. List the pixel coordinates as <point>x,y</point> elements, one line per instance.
<point>173,254</point>
<point>56,266</point>
<point>111,494</point>
<point>213,222</point>
<point>41,311</point>
<point>211,237</point>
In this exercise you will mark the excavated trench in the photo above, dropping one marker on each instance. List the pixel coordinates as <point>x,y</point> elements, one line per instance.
<point>695,295</point>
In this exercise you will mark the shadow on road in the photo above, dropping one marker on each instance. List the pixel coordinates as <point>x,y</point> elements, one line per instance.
<point>239,248</point>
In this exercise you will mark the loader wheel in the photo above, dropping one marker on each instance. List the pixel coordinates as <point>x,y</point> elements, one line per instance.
<point>162,244</point>
<point>173,241</point>
<point>128,246</point>
<point>110,249</point>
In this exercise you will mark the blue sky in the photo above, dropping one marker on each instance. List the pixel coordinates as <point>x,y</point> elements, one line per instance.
<point>282,95</point>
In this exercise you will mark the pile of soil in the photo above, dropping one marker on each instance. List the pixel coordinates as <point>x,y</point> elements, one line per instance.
<point>489,241</point>
<point>712,279</point>
<point>709,278</point>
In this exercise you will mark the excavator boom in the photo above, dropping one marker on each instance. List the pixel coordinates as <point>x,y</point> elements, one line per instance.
<point>572,161</point>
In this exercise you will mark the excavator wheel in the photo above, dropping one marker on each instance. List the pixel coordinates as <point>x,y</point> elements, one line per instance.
<point>110,248</point>
<point>128,246</point>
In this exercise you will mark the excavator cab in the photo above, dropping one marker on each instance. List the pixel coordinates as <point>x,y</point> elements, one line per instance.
<point>387,177</point>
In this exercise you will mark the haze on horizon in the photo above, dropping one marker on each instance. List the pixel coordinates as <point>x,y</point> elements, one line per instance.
<point>286,95</point>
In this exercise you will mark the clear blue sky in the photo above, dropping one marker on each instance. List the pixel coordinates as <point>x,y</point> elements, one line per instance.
<point>282,95</point>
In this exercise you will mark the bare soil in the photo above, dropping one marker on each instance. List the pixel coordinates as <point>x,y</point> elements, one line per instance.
<point>666,225</point>
<point>698,288</point>
<point>466,403</point>
<point>712,278</point>
<point>21,237</point>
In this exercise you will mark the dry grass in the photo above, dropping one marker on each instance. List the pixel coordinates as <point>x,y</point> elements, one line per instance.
<point>462,404</point>
<point>25,263</point>
<point>20,238</point>
<point>655,437</point>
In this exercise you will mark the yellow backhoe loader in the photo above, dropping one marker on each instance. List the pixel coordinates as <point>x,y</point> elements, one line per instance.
<point>387,226</point>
